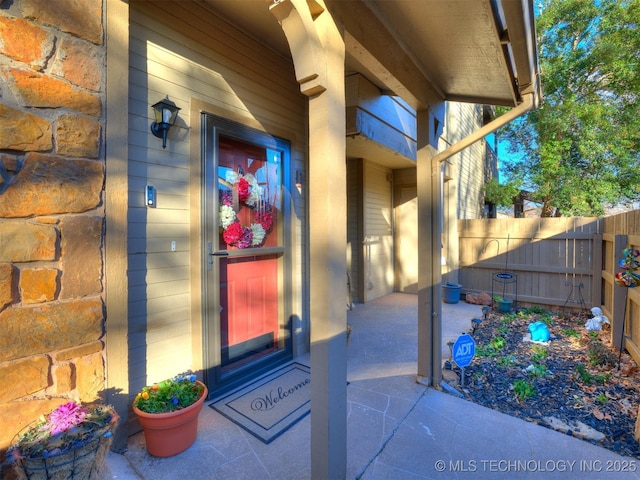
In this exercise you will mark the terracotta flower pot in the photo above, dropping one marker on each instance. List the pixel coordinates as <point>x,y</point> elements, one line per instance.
<point>167,434</point>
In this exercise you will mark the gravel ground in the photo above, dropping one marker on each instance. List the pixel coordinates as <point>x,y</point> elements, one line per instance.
<point>574,377</point>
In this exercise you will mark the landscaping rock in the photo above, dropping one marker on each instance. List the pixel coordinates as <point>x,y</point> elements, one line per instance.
<point>450,377</point>
<point>577,429</point>
<point>482,298</point>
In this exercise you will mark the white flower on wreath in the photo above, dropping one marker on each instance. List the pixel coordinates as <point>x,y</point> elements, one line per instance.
<point>258,234</point>
<point>227,216</point>
<point>255,193</point>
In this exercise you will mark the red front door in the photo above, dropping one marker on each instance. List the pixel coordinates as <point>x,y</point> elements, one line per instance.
<point>245,315</point>
<point>249,308</point>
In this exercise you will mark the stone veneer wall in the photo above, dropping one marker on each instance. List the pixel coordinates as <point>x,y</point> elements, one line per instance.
<point>52,314</point>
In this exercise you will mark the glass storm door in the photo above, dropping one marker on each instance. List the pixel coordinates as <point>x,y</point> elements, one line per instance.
<point>245,328</point>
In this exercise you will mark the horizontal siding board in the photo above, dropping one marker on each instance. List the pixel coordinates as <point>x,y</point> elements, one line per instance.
<point>137,199</point>
<point>156,215</point>
<point>149,261</point>
<point>159,244</point>
<point>163,261</point>
<point>160,359</point>
<point>168,186</point>
<point>197,25</point>
<point>189,80</point>
<point>165,230</point>
<point>232,62</point>
<point>151,336</point>
<point>139,277</point>
<point>150,306</point>
<point>158,164</point>
<point>160,289</point>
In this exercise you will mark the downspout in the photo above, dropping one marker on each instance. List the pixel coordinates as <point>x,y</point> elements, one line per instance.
<point>529,103</point>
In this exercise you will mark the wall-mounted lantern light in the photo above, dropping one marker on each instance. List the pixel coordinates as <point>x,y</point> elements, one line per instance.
<point>166,112</point>
<point>299,180</point>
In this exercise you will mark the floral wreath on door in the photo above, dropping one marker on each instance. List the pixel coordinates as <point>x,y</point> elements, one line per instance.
<point>245,192</point>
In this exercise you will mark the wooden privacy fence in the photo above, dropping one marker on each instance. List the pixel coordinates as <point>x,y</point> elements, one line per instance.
<point>559,263</point>
<point>621,304</point>
<point>551,259</point>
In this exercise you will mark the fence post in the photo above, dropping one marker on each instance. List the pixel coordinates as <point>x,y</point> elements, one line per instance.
<point>619,294</point>
<point>596,271</point>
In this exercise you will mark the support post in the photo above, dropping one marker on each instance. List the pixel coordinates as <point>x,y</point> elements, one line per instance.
<point>328,273</point>
<point>596,272</point>
<point>618,310</point>
<point>116,186</point>
<point>318,52</point>
<point>328,276</point>
<point>429,252</point>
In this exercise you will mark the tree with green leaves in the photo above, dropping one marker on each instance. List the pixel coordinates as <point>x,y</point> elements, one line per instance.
<point>579,151</point>
<point>499,194</point>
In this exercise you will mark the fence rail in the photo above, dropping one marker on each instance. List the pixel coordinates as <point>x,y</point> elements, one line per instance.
<point>565,263</point>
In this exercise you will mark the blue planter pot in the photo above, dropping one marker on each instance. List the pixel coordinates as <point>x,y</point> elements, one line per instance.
<point>451,292</point>
<point>504,305</point>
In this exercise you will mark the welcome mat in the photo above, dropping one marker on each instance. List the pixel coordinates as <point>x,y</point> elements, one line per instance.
<point>268,406</point>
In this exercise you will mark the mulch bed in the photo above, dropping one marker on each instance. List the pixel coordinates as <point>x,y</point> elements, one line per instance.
<point>575,377</point>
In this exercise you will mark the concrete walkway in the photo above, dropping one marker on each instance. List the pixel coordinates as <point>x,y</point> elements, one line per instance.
<point>397,429</point>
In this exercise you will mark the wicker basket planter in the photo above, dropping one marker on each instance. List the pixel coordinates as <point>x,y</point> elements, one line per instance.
<point>76,454</point>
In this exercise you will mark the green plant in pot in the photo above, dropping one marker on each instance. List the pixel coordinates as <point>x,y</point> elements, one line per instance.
<point>503,304</point>
<point>168,412</point>
<point>69,442</point>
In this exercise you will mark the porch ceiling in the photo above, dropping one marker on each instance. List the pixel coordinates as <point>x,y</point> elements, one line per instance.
<point>425,51</point>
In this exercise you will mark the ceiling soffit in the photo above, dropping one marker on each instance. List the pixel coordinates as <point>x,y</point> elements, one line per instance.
<point>458,47</point>
<point>424,51</point>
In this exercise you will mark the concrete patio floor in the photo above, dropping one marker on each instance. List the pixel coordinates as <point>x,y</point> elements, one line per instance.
<point>397,429</point>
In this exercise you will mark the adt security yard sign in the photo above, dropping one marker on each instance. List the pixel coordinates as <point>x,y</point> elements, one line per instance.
<point>464,350</point>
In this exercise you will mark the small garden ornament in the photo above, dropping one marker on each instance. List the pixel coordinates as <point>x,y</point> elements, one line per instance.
<point>630,279</point>
<point>539,332</point>
<point>629,264</point>
<point>595,323</point>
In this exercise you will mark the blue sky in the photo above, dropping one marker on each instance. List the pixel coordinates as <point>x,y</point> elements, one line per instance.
<point>503,155</point>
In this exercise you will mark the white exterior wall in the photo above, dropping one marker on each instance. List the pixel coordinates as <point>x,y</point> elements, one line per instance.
<point>464,176</point>
<point>405,203</point>
<point>191,54</point>
<point>467,167</point>
<point>378,232</point>
<point>370,239</point>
